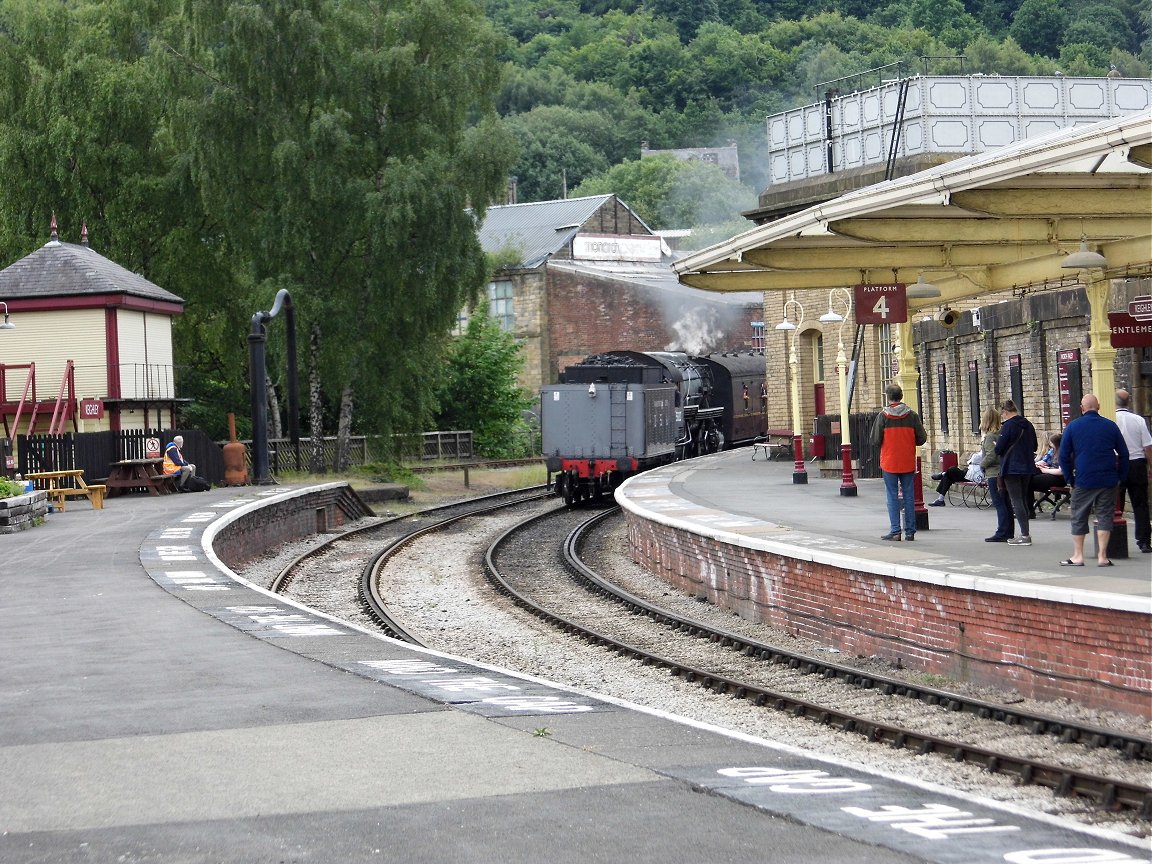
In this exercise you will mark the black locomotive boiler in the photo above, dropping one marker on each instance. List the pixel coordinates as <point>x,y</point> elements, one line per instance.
<point>615,414</point>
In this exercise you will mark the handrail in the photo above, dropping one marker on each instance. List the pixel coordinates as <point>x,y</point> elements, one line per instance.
<point>64,409</point>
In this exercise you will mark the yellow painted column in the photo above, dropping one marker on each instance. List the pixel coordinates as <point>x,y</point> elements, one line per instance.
<point>1101,353</point>
<point>907,375</point>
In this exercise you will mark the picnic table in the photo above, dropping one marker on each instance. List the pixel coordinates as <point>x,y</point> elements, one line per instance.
<point>139,474</point>
<point>68,483</point>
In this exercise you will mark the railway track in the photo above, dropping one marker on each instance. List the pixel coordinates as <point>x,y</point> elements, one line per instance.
<point>508,569</point>
<point>1105,792</point>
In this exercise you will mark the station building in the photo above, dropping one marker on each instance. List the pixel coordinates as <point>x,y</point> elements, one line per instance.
<point>979,188</point>
<point>582,276</point>
<point>89,348</point>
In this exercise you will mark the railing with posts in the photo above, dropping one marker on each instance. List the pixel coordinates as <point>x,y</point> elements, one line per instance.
<point>367,449</point>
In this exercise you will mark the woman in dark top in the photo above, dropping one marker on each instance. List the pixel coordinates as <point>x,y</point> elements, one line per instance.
<point>1016,447</point>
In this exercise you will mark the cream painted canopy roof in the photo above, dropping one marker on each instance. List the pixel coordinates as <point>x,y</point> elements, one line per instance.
<point>975,226</point>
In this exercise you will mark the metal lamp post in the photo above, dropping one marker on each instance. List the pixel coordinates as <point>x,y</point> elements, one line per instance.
<point>259,386</point>
<point>847,481</point>
<point>799,472</point>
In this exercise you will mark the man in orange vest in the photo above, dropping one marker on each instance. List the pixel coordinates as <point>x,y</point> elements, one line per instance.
<point>898,432</point>
<point>175,463</point>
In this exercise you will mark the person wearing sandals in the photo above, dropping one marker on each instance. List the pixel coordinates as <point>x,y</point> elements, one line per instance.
<point>1094,458</point>
<point>1016,449</point>
<point>990,426</point>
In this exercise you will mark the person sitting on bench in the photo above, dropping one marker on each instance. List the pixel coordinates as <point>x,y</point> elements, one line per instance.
<point>175,463</point>
<point>973,474</point>
<point>1048,476</point>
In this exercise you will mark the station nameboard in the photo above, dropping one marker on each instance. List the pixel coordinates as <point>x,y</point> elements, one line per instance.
<point>880,304</point>
<point>1132,329</point>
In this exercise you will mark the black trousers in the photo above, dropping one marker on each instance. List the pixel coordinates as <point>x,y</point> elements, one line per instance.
<point>1136,487</point>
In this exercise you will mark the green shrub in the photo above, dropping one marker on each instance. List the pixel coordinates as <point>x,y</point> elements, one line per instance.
<point>10,488</point>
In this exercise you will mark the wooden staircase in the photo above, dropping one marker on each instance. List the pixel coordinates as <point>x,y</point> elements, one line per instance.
<point>29,408</point>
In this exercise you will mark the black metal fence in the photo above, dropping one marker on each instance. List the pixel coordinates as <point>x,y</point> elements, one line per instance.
<point>866,454</point>
<point>367,449</point>
<point>94,452</point>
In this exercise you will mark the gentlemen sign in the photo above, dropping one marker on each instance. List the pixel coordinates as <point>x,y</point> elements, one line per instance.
<point>1132,329</point>
<point>880,304</point>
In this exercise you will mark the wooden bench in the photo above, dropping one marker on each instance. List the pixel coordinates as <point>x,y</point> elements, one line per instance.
<point>93,492</point>
<point>66,483</point>
<point>164,483</point>
<point>774,443</point>
<point>1056,497</point>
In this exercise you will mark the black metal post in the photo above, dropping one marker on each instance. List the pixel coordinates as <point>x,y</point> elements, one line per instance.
<point>258,385</point>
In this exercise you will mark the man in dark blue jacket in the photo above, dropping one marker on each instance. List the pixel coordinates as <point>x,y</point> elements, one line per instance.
<point>1094,458</point>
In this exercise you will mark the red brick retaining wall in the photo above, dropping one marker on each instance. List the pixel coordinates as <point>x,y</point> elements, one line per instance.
<point>1044,649</point>
<point>316,510</point>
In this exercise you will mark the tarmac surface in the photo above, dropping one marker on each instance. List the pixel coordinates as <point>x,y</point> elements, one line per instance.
<point>156,708</point>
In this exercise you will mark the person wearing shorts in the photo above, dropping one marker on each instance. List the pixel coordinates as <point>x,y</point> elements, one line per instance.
<point>1094,458</point>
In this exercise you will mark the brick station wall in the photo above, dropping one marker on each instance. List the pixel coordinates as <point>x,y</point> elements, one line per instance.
<point>316,510</point>
<point>1046,650</point>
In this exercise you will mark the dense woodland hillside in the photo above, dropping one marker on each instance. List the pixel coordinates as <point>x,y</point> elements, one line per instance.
<point>588,80</point>
<point>345,149</point>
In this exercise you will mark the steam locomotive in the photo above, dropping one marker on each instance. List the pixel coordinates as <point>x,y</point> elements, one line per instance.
<point>616,414</point>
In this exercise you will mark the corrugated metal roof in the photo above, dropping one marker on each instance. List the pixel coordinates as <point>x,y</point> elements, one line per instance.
<point>538,230</point>
<point>59,269</point>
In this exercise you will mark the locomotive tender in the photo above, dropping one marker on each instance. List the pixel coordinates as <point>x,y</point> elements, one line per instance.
<point>615,414</point>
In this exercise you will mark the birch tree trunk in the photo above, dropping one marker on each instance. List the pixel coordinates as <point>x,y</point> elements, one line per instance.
<point>316,418</point>
<point>344,430</point>
<point>276,428</point>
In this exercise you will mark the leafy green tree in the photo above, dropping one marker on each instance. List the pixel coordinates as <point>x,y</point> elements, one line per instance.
<point>669,193</point>
<point>1038,25</point>
<point>552,151</point>
<point>687,15</point>
<point>1102,25</point>
<point>340,145</point>
<point>479,390</point>
<point>81,136</point>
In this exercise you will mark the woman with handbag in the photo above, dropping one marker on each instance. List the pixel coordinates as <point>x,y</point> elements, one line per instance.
<point>990,426</point>
<point>1016,449</point>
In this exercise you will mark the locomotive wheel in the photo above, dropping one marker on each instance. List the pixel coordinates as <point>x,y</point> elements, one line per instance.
<point>565,484</point>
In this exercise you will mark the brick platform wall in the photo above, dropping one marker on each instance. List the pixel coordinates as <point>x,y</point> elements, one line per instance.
<point>1044,649</point>
<point>315,510</point>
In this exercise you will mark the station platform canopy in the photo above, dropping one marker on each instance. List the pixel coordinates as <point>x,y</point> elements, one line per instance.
<point>976,226</point>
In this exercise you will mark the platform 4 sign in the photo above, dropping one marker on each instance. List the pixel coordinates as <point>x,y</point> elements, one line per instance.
<point>880,304</point>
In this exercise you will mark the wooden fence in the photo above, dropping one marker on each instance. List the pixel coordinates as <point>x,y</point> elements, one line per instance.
<point>94,452</point>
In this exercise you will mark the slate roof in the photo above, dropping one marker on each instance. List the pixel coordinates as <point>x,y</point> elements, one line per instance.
<point>60,269</point>
<point>537,230</point>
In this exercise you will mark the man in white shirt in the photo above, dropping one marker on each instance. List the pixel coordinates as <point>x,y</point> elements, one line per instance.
<point>1139,441</point>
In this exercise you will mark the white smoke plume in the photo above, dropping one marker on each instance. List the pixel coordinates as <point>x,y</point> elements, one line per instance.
<point>697,332</point>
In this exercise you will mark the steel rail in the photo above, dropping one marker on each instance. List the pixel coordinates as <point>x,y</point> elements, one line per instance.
<point>1133,746</point>
<point>1105,792</point>
<point>374,603</point>
<point>285,575</point>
